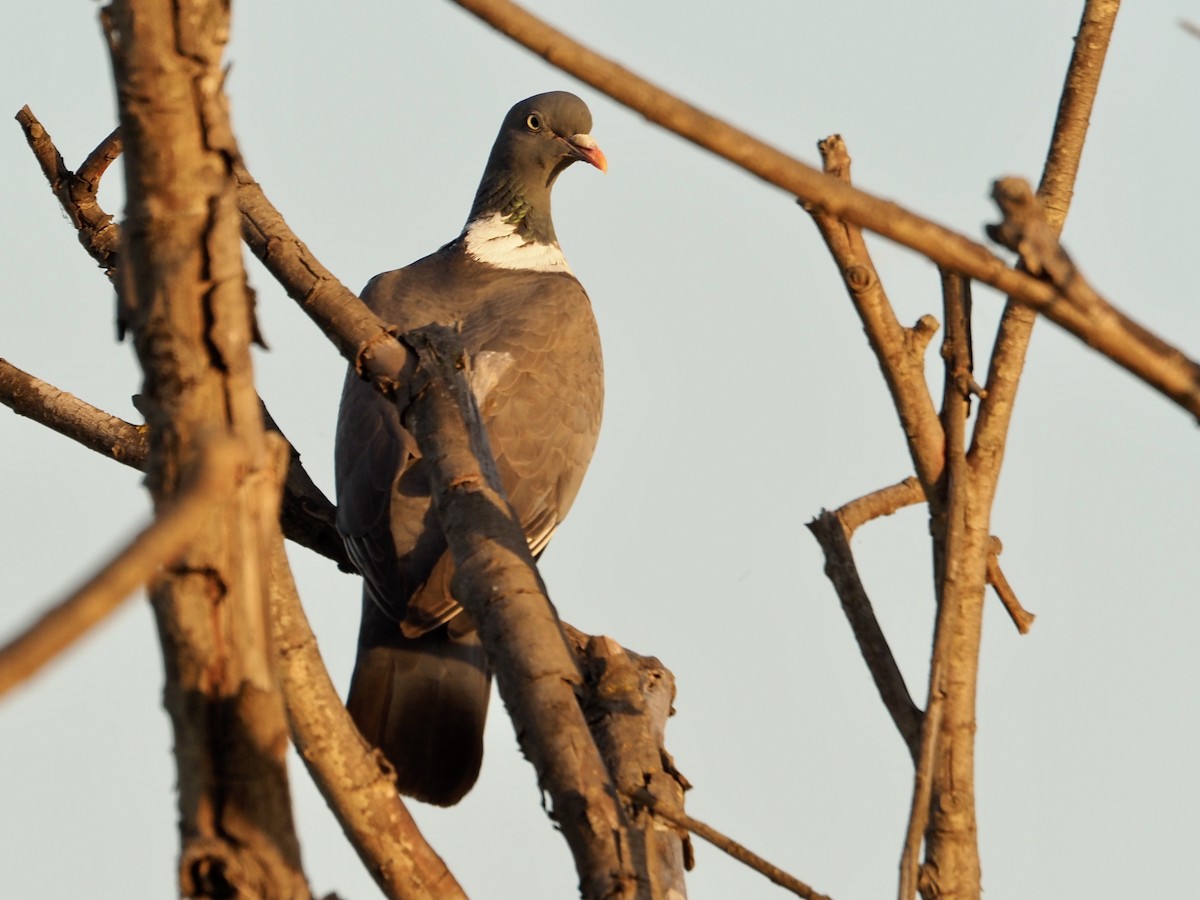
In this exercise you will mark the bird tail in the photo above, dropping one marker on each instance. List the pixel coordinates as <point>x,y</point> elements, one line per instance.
<point>423,702</point>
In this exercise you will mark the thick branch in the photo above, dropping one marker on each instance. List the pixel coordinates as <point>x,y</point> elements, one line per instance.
<point>158,545</point>
<point>945,762</point>
<point>1166,373</point>
<point>360,335</point>
<point>185,296</point>
<point>355,781</point>
<point>498,584</point>
<point>626,699</point>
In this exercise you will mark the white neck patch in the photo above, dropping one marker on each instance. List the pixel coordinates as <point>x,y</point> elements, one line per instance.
<point>492,240</point>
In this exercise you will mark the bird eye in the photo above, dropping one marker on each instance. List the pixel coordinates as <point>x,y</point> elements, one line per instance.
<point>534,122</point>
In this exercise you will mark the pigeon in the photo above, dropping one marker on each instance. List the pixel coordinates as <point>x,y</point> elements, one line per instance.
<point>421,682</point>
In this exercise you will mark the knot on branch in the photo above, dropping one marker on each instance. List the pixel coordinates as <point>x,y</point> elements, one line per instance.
<point>1025,230</point>
<point>858,278</point>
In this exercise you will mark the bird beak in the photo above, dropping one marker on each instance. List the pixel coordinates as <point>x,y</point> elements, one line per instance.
<point>583,147</point>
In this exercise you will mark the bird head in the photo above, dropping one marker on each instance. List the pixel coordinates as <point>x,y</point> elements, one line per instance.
<point>540,137</point>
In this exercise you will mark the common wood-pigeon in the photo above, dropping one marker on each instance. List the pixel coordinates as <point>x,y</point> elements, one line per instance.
<point>421,683</point>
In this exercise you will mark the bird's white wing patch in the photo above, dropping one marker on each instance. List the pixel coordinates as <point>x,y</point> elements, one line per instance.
<point>487,368</point>
<point>495,241</point>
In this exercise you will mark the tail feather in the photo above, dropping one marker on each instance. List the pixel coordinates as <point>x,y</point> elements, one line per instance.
<point>423,701</point>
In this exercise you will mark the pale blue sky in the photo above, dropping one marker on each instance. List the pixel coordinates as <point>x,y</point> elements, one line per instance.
<point>742,399</point>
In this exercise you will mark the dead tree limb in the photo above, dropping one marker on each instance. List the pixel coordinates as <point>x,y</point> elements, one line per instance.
<point>626,700</point>
<point>1055,192</point>
<point>900,351</point>
<point>355,780</point>
<point>306,514</point>
<point>499,586</point>
<point>186,302</point>
<point>737,851</point>
<point>840,568</point>
<point>160,544</point>
<point>946,763</point>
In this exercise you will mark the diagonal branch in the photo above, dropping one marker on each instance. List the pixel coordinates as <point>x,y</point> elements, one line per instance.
<point>733,848</point>
<point>831,534</point>
<point>158,545</point>
<point>360,335</point>
<point>883,502</point>
<point>1173,375</point>
<point>499,586</point>
<point>1021,617</point>
<point>307,516</point>
<point>76,192</point>
<point>900,351</point>
<point>355,781</point>
<point>1057,187</point>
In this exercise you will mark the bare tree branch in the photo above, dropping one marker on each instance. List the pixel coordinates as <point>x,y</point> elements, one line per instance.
<point>355,780</point>
<point>360,335</point>
<point>946,760</point>
<point>1173,375</point>
<point>76,193</point>
<point>883,502</point>
<point>626,700</point>
<point>733,848</point>
<point>499,586</point>
<point>184,294</point>
<point>307,515</point>
<point>831,534</point>
<point>1057,187</point>
<point>159,544</point>
<point>900,351</point>
<point>108,435</point>
<point>1021,617</point>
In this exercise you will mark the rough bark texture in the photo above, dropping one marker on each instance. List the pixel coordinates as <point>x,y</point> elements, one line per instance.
<point>627,700</point>
<point>355,780</point>
<point>499,586</point>
<point>184,297</point>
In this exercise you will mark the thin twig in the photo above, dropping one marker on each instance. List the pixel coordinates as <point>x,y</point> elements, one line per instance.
<point>92,169</point>
<point>899,351</point>
<point>827,528</point>
<point>97,231</point>
<point>1021,617</point>
<point>29,396</point>
<point>1180,381</point>
<point>731,847</point>
<point>307,515</point>
<point>1055,192</point>
<point>159,544</point>
<point>883,502</point>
